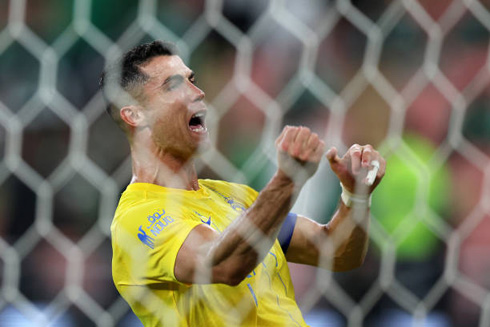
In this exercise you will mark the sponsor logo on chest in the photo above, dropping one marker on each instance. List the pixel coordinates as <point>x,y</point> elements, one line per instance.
<point>157,223</point>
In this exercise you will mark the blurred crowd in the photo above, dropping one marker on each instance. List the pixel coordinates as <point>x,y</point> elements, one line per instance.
<point>429,214</point>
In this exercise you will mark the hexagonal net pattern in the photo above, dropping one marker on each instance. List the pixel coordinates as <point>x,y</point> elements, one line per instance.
<point>410,77</point>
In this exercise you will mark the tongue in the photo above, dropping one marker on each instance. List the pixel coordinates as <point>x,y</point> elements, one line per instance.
<point>196,128</point>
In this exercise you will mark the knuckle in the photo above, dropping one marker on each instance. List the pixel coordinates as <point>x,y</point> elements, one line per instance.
<point>356,148</point>
<point>305,156</point>
<point>356,152</point>
<point>294,151</point>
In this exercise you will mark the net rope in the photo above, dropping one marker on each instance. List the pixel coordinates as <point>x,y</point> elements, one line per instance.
<point>279,20</point>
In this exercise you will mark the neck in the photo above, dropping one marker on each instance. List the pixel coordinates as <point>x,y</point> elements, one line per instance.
<point>155,166</point>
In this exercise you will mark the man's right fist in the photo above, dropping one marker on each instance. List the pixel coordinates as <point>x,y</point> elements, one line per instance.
<point>299,152</point>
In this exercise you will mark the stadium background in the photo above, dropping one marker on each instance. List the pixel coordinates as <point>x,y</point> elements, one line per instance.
<point>410,77</point>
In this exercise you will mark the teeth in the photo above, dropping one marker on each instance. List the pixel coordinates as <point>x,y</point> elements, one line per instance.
<point>198,128</point>
<point>197,124</point>
<point>199,115</point>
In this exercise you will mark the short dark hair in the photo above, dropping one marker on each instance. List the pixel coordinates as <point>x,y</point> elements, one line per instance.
<point>121,81</point>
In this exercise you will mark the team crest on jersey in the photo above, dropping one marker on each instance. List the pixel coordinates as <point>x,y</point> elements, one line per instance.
<point>157,223</point>
<point>235,205</point>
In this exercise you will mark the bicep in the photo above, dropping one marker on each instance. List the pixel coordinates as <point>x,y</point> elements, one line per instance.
<point>193,252</point>
<point>196,260</point>
<point>303,247</point>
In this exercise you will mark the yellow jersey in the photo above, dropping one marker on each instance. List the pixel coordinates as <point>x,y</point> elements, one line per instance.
<point>150,225</point>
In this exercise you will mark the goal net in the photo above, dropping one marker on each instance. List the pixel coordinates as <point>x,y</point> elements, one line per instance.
<point>410,77</point>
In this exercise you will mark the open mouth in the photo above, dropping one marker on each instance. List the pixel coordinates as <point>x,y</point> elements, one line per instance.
<point>197,122</point>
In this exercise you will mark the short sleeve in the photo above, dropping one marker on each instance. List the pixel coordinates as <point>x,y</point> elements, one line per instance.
<point>168,242</point>
<point>149,239</point>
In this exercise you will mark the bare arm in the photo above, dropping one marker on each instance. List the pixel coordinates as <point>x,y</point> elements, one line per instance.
<point>339,245</point>
<point>342,243</point>
<point>207,256</point>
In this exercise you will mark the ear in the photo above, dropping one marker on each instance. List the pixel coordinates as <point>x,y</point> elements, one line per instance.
<point>132,115</point>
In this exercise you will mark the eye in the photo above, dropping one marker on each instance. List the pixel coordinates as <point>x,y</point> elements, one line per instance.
<point>169,88</point>
<point>173,82</point>
<point>192,79</point>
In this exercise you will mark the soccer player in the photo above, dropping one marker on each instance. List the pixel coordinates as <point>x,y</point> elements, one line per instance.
<point>193,252</point>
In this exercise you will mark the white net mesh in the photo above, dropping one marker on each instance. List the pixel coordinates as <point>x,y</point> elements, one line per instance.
<point>410,77</point>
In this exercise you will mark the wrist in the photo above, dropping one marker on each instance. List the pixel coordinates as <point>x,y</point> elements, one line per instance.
<point>298,179</point>
<point>351,199</point>
<point>282,177</point>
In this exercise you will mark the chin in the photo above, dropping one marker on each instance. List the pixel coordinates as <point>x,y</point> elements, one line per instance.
<point>203,146</point>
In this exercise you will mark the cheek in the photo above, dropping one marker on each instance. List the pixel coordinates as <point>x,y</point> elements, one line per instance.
<point>161,117</point>
<point>168,128</point>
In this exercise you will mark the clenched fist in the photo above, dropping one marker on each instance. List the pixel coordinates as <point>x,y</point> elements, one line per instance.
<point>299,153</point>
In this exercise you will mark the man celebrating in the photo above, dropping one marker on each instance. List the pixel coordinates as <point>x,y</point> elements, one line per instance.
<point>192,252</point>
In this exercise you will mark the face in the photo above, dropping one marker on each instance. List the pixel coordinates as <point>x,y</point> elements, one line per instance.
<point>174,107</point>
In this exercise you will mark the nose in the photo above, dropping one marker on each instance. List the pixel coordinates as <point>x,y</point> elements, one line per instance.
<point>199,93</point>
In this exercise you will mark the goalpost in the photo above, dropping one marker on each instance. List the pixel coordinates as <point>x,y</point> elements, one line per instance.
<point>410,77</point>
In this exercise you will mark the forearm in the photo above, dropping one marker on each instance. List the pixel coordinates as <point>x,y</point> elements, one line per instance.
<point>344,242</point>
<point>244,243</point>
<point>339,245</point>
